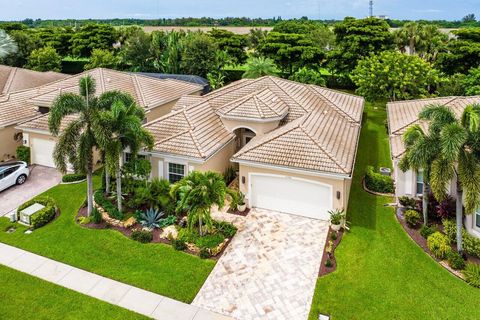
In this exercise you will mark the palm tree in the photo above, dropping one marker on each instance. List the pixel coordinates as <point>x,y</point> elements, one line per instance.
<point>7,45</point>
<point>76,142</point>
<point>259,67</point>
<point>458,158</point>
<point>408,36</point>
<point>122,129</point>
<point>421,149</point>
<point>196,194</point>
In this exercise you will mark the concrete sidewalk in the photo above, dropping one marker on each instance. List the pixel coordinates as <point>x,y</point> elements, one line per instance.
<point>141,301</point>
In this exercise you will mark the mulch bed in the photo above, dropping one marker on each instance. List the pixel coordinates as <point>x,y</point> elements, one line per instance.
<point>324,270</point>
<point>415,235</point>
<point>127,232</point>
<point>239,213</point>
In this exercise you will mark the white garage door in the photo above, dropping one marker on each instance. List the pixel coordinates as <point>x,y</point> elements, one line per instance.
<point>42,152</point>
<point>291,195</point>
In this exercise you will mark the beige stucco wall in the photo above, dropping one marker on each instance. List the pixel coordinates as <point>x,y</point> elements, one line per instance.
<point>260,128</point>
<point>164,109</point>
<point>341,184</point>
<point>218,163</point>
<point>8,145</point>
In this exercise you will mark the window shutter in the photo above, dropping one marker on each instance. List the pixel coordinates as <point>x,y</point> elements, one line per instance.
<point>160,169</point>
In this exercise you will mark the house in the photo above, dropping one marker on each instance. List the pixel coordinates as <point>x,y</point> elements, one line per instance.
<point>402,115</point>
<point>29,109</point>
<point>293,144</point>
<point>17,80</point>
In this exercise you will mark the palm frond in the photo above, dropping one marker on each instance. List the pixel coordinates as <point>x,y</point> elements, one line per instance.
<point>67,145</point>
<point>452,138</point>
<point>469,176</point>
<point>64,105</point>
<point>87,86</point>
<point>442,173</point>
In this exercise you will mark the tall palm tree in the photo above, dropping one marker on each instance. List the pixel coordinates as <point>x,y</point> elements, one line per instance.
<point>7,45</point>
<point>408,36</point>
<point>459,158</point>
<point>196,194</point>
<point>421,150</point>
<point>76,142</point>
<point>122,129</point>
<point>259,67</point>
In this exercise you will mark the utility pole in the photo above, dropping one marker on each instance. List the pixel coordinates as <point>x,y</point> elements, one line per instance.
<point>371,8</point>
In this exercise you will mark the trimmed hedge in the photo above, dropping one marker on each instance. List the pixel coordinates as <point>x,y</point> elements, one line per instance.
<point>73,177</point>
<point>107,205</point>
<point>43,216</point>
<point>23,154</point>
<point>471,245</point>
<point>378,182</point>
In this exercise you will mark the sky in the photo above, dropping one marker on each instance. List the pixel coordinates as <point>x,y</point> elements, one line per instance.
<point>314,9</point>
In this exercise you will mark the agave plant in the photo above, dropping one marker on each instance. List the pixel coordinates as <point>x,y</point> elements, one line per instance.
<point>151,218</point>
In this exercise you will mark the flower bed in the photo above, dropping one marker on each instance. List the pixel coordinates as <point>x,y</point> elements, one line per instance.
<point>329,263</point>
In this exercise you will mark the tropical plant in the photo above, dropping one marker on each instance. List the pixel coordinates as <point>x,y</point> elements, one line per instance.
<point>455,260</point>
<point>121,129</point>
<point>471,82</point>
<point>439,245</point>
<point>77,140</point>
<point>241,198</point>
<point>168,221</point>
<point>232,196</point>
<point>151,218</point>
<point>196,194</point>
<point>459,141</point>
<point>155,194</point>
<point>412,217</point>
<point>142,236</point>
<point>472,274</point>
<point>309,76</point>
<point>336,216</point>
<point>7,44</point>
<point>257,67</point>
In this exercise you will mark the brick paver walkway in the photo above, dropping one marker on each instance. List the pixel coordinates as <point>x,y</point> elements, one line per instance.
<point>141,301</point>
<point>269,270</point>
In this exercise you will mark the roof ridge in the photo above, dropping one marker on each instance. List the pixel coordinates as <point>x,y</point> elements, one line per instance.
<point>321,148</point>
<point>197,144</point>
<point>257,105</point>
<point>335,107</point>
<point>166,116</point>
<point>9,81</point>
<point>274,80</point>
<point>102,80</point>
<point>172,136</point>
<point>187,118</point>
<point>138,91</point>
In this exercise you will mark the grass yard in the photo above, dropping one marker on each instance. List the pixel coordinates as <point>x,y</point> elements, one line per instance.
<point>154,267</point>
<point>382,273</point>
<point>27,297</point>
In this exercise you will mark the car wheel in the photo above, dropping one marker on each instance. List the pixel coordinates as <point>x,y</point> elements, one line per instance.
<point>21,179</point>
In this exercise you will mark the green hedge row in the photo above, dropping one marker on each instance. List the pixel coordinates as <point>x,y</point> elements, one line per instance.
<point>378,182</point>
<point>107,205</point>
<point>23,154</point>
<point>43,216</point>
<point>73,177</point>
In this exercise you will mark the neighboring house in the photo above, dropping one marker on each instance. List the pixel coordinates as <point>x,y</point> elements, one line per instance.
<point>402,115</point>
<point>155,95</point>
<point>293,144</point>
<point>17,80</point>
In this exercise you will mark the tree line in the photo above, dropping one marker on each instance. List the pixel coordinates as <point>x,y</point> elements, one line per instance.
<point>417,60</point>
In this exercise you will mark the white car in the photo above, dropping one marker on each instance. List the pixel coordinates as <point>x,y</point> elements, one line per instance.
<point>12,174</point>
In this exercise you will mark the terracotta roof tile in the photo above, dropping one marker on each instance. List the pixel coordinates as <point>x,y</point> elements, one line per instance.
<point>15,79</point>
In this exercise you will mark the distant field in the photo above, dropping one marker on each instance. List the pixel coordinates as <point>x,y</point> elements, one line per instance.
<point>237,30</point>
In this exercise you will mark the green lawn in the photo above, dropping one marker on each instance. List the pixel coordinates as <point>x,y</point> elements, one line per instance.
<point>26,297</point>
<point>381,273</point>
<point>154,267</point>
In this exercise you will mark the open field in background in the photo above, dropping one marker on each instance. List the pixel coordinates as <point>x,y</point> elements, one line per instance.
<point>237,30</point>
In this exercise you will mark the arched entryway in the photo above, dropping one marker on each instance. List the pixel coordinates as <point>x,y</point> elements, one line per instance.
<point>243,137</point>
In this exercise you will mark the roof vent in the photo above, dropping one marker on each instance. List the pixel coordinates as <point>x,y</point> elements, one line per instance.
<point>274,99</point>
<point>325,112</point>
<point>108,79</point>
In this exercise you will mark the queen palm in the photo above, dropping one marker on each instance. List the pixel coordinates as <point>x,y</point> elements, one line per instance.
<point>259,67</point>
<point>122,129</point>
<point>458,158</point>
<point>196,194</point>
<point>421,150</point>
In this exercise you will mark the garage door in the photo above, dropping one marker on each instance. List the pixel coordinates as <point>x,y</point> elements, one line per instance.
<point>42,152</point>
<point>291,195</point>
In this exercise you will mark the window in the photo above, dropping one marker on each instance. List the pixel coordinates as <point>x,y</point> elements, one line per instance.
<point>477,218</point>
<point>175,172</point>
<point>420,182</point>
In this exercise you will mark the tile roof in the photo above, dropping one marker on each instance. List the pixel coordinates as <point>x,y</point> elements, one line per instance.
<point>15,79</point>
<point>404,114</point>
<point>149,93</point>
<point>320,130</point>
<point>263,105</point>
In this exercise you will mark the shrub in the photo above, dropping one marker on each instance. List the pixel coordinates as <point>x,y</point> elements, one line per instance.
<point>225,228</point>
<point>151,218</point>
<point>426,231</point>
<point>407,201</point>
<point>455,260</point>
<point>412,217</point>
<point>333,236</point>
<point>168,221</point>
<point>328,263</point>
<point>229,175</point>
<point>23,154</point>
<point>209,241</point>
<point>107,205</point>
<point>84,220</point>
<point>377,182</point>
<point>204,253</point>
<point>471,244</point>
<point>73,177</point>
<point>179,244</point>
<point>472,274</point>
<point>43,216</point>
<point>336,216</point>
<point>96,216</point>
<point>142,236</point>
<point>233,197</point>
<point>439,245</point>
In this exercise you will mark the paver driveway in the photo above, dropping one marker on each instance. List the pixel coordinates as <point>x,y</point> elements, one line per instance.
<point>40,180</point>
<point>269,270</point>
